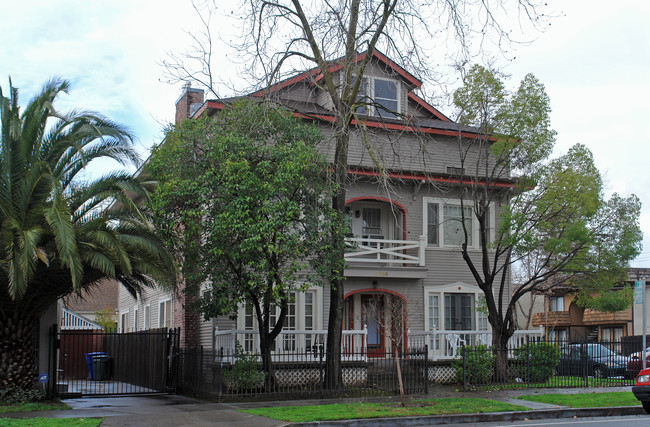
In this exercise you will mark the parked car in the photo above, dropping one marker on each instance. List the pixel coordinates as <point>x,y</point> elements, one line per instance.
<point>641,388</point>
<point>591,360</point>
<point>635,364</point>
<point>638,354</point>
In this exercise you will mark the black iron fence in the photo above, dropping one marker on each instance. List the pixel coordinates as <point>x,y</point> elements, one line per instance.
<point>301,374</point>
<point>549,364</point>
<point>534,364</point>
<point>92,362</point>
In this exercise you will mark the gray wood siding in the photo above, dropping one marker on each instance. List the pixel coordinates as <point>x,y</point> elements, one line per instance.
<point>408,151</point>
<point>445,266</point>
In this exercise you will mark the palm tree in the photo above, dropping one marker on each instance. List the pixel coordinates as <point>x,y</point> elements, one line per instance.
<point>61,233</point>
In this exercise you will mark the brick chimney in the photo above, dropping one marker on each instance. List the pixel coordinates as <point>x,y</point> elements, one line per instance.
<point>189,101</point>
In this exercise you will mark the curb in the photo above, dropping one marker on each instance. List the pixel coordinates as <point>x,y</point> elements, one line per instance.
<point>481,418</point>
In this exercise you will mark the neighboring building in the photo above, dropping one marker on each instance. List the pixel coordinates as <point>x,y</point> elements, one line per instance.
<point>563,320</point>
<point>96,298</point>
<point>642,275</point>
<point>408,238</point>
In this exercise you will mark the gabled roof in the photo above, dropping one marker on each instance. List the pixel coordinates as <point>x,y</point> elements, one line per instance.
<point>315,73</point>
<point>437,124</point>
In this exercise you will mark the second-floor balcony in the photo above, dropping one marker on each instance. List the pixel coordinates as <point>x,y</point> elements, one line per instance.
<point>379,245</point>
<point>379,257</point>
<point>595,317</point>
<point>552,319</point>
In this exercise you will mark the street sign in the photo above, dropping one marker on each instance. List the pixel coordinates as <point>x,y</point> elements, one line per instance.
<point>43,377</point>
<point>639,291</point>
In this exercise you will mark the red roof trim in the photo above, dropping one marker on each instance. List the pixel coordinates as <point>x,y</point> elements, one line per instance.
<point>401,71</point>
<point>422,103</point>
<point>390,126</point>
<point>419,177</point>
<point>336,66</point>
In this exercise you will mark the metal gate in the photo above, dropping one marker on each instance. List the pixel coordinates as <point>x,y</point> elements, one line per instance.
<point>96,363</point>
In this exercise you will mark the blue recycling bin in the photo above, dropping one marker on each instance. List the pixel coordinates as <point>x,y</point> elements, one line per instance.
<point>89,362</point>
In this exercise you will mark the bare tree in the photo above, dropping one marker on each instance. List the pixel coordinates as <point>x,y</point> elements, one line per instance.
<point>337,39</point>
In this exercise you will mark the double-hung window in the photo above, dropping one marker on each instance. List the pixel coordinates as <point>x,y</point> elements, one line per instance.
<point>302,316</point>
<point>556,304</point>
<point>379,97</point>
<point>147,316</point>
<point>136,318</point>
<point>124,322</point>
<point>165,314</point>
<point>443,221</point>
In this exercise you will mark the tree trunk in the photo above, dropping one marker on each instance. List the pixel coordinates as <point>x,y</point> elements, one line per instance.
<point>17,357</point>
<point>500,344</point>
<point>333,367</point>
<point>270,383</point>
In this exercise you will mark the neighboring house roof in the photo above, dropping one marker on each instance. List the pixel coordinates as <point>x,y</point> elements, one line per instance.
<point>95,298</point>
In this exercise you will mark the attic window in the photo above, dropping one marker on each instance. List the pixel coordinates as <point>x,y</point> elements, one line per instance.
<point>456,171</point>
<point>382,97</point>
<point>386,100</point>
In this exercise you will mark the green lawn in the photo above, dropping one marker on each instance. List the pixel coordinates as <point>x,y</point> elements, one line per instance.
<point>49,422</point>
<point>586,400</point>
<point>33,406</point>
<point>343,411</point>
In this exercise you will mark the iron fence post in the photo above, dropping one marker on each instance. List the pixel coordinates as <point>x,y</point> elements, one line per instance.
<point>426,368</point>
<point>220,375</point>
<point>320,370</point>
<point>52,389</point>
<point>462,355</point>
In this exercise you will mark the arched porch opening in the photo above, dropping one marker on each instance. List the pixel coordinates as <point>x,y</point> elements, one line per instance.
<point>383,312</point>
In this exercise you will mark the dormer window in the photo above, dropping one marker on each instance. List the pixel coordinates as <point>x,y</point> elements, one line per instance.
<point>382,97</point>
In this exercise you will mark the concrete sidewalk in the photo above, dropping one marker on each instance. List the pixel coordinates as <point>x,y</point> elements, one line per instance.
<point>170,410</point>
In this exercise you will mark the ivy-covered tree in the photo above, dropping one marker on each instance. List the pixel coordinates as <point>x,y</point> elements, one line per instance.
<point>243,199</point>
<point>553,216</point>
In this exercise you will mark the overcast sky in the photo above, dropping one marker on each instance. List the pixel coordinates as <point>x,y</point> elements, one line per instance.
<point>594,61</point>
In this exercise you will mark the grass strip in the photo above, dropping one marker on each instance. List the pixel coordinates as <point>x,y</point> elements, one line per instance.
<point>586,400</point>
<point>50,422</point>
<point>33,406</point>
<point>346,411</point>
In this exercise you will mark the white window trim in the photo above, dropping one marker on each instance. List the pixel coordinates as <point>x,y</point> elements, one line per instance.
<point>317,318</point>
<point>124,328</point>
<point>161,302</point>
<point>370,87</point>
<point>147,310</point>
<point>550,304</point>
<point>135,318</point>
<point>441,220</point>
<point>454,288</point>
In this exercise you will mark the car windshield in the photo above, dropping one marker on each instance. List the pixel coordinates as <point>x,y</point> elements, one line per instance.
<point>599,351</point>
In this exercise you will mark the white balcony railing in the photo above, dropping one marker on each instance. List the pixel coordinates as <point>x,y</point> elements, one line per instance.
<point>447,344</point>
<point>307,344</point>
<point>374,250</point>
<point>72,320</point>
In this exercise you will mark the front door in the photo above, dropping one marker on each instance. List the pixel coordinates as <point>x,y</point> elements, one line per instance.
<point>372,307</point>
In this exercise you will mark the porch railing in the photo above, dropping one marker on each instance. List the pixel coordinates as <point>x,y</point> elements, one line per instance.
<point>311,343</point>
<point>73,321</point>
<point>399,252</point>
<point>446,344</point>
